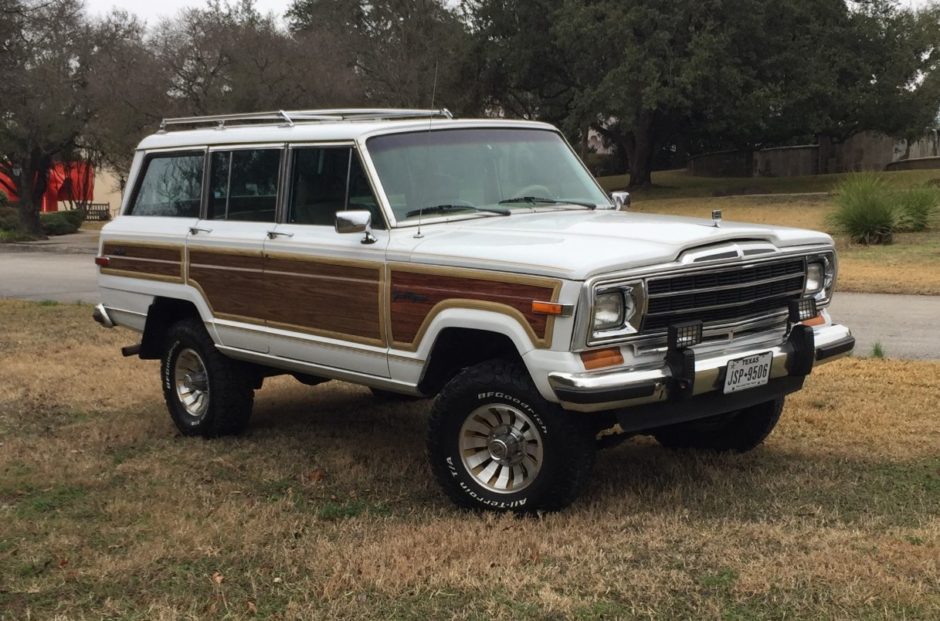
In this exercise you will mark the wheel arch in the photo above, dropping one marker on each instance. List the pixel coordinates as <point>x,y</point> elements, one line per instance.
<point>162,313</point>
<point>456,348</point>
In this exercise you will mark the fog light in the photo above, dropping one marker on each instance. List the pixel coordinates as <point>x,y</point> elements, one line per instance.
<point>683,335</point>
<point>802,309</point>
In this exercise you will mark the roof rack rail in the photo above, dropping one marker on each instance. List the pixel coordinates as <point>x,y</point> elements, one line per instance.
<point>289,118</point>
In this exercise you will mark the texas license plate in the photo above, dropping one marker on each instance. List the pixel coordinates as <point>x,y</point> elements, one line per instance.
<point>749,372</point>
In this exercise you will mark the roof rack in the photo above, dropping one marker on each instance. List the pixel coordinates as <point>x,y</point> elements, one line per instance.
<point>288,118</point>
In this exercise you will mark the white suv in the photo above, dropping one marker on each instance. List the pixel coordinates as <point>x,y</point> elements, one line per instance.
<point>473,261</point>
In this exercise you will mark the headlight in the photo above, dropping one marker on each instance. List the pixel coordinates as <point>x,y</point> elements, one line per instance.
<point>608,310</point>
<point>820,277</point>
<point>815,278</point>
<point>613,309</point>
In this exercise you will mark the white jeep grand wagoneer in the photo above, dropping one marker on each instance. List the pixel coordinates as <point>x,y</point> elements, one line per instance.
<point>473,261</point>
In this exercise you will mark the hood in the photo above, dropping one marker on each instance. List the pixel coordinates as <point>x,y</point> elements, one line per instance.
<point>577,245</point>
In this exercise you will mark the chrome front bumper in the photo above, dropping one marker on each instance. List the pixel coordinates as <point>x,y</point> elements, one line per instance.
<point>620,388</point>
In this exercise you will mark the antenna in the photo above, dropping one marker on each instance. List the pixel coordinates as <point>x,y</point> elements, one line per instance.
<point>427,144</point>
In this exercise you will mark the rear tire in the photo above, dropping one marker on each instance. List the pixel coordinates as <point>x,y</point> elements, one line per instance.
<point>206,393</point>
<point>738,431</point>
<point>494,443</point>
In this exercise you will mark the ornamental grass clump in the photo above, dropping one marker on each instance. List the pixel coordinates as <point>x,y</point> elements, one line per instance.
<point>917,208</point>
<point>865,209</point>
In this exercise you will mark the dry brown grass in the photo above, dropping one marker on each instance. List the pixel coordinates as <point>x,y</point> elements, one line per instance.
<point>325,509</point>
<point>910,265</point>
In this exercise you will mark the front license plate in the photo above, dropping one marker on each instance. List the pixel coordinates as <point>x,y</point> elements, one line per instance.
<point>749,372</point>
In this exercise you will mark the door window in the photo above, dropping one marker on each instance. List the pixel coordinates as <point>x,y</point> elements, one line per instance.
<point>243,185</point>
<point>170,186</point>
<point>325,180</point>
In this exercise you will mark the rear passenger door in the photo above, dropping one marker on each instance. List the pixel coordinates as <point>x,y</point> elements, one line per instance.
<point>327,287</point>
<point>226,247</point>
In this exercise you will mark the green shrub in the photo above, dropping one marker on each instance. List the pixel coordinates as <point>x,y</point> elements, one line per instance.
<point>916,208</point>
<point>57,223</point>
<point>865,209</point>
<point>75,216</point>
<point>9,218</point>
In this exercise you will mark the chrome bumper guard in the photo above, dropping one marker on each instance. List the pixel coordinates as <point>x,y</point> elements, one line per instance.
<point>684,375</point>
<point>100,314</point>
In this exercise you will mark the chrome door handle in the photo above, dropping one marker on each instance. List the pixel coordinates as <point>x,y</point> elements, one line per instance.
<point>195,230</point>
<point>273,234</point>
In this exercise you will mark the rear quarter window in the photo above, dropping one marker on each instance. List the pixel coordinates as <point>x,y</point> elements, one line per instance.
<point>170,186</point>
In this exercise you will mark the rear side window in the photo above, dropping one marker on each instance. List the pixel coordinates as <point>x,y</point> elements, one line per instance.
<point>243,185</point>
<point>170,186</point>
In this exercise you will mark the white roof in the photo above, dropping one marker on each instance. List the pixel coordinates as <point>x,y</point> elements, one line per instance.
<point>325,131</point>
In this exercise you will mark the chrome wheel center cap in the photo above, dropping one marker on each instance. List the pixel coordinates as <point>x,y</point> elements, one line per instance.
<point>504,447</point>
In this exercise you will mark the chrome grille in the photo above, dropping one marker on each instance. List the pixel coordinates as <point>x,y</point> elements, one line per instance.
<point>725,295</point>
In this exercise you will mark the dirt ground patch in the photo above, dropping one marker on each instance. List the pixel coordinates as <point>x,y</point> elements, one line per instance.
<point>325,508</point>
<point>910,265</point>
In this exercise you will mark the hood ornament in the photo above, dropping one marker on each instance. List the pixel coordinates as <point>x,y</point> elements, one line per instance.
<point>716,218</point>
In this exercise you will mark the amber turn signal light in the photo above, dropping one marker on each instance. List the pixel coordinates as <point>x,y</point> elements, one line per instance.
<point>548,308</point>
<point>599,358</point>
<point>818,320</point>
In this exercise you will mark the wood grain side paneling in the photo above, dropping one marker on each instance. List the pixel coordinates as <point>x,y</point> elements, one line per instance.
<point>141,260</point>
<point>333,299</point>
<point>417,296</point>
<point>348,308</point>
<point>231,282</point>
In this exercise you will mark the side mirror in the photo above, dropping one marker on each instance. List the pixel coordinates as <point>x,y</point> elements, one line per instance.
<point>358,221</point>
<point>621,200</point>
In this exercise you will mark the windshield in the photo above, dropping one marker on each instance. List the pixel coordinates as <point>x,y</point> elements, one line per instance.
<point>480,172</point>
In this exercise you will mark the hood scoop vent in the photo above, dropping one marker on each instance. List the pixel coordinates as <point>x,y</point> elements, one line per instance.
<point>727,251</point>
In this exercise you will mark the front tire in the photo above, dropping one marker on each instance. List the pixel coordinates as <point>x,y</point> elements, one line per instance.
<point>494,442</point>
<point>738,431</point>
<point>206,393</point>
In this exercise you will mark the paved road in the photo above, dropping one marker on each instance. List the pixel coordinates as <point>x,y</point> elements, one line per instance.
<point>48,276</point>
<point>905,325</point>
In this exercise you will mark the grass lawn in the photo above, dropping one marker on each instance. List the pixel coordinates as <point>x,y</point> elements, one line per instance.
<point>325,508</point>
<point>910,265</point>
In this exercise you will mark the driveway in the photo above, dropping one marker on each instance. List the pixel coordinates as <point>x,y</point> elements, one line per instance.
<point>905,325</point>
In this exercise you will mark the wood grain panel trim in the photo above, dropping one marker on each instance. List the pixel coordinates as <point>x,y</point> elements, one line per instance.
<point>332,298</point>
<point>419,293</point>
<point>145,260</point>
<point>344,297</point>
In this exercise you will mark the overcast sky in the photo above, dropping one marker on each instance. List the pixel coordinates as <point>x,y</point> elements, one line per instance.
<point>153,10</point>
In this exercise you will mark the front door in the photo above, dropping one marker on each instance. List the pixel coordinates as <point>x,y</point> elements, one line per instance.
<point>327,288</point>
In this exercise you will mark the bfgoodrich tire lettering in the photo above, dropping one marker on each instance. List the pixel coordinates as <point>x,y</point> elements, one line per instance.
<point>206,393</point>
<point>490,417</point>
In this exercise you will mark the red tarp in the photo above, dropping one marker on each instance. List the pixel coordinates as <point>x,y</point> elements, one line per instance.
<point>68,181</point>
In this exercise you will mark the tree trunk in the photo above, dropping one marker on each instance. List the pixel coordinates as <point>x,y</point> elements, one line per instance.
<point>641,151</point>
<point>33,180</point>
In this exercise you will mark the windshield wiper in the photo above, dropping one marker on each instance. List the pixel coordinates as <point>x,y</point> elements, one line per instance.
<point>448,207</point>
<point>533,200</point>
